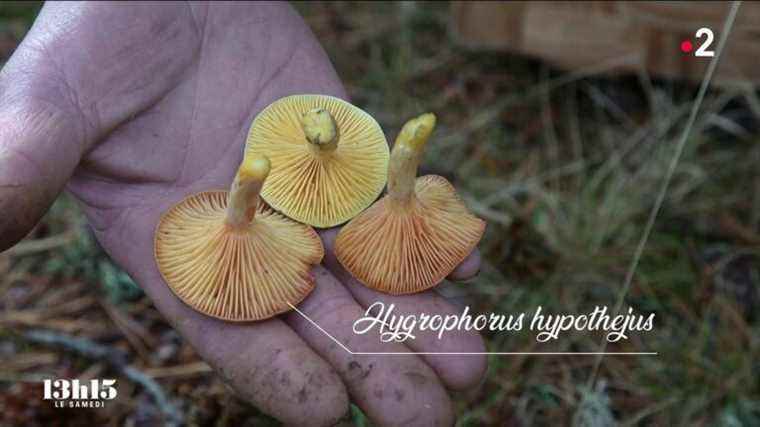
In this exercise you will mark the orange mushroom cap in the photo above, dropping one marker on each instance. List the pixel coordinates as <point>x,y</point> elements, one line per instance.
<point>413,237</point>
<point>329,158</point>
<point>230,257</point>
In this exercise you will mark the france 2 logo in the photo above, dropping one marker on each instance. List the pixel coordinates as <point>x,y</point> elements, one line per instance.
<point>73,394</point>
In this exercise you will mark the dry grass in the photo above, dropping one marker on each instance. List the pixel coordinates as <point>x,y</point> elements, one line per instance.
<point>566,168</point>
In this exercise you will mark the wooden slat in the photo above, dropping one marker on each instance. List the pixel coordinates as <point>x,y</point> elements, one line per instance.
<point>574,35</point>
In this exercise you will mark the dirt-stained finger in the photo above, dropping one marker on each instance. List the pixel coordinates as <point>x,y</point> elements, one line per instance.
<point>266,363</point>
<point>458,372</point>
<point>468,268</point>
<point>392,389</point>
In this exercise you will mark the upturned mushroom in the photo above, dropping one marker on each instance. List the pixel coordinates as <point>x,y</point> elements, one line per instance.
<point>413,237</point>
<point>229,256</point>
<point>329,158</point>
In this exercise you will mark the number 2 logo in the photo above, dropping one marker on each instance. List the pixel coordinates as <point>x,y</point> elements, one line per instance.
<point>703,49</point>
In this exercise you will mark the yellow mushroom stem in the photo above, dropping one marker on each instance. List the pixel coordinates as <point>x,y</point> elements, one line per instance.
<point>244,192</point>
<point>405,158</point>
<point>320,129</point>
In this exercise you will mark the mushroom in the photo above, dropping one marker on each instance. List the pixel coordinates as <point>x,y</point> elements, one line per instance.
<point>413,237</point>
<point>329,158</point>
<point>233,258</point>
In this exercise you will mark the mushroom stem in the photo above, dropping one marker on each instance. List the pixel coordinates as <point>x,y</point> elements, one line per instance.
<point>406,156</point>
<point>320,129</point>
<point>244,192</point>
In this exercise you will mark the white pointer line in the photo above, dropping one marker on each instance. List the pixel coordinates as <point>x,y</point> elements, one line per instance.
<point>466,353</point>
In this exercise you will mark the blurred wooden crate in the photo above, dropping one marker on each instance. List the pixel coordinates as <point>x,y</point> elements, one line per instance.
<point>617,36</point>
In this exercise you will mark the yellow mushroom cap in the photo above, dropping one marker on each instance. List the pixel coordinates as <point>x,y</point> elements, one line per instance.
<point>232,273</point>
<point>412,238</point>
<point>329,158</point>
<point>402,251</point>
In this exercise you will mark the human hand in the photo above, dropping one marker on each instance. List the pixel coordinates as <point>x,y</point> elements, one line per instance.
<point>133,107</point>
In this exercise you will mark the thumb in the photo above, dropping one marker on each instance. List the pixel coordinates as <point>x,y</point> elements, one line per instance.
<point>67,85</point>
<point>42,139</point>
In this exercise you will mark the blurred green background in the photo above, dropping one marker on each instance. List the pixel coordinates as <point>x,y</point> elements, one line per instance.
<point>564,167</point>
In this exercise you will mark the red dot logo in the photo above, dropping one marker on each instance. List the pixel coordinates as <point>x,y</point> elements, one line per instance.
<point>686,46</point>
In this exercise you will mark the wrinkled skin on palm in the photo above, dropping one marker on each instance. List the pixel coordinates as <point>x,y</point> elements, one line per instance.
<point>132,107</point>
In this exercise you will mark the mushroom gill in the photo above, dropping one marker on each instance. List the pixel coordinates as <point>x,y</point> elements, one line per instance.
<point>413,237</point>
<point>231,257</point>
<point>329,158</point>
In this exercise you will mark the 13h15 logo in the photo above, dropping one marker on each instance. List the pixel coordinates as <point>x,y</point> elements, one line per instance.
<point>67,393</point>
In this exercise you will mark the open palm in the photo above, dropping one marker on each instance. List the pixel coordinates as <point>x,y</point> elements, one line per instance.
<point>134,106</point>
